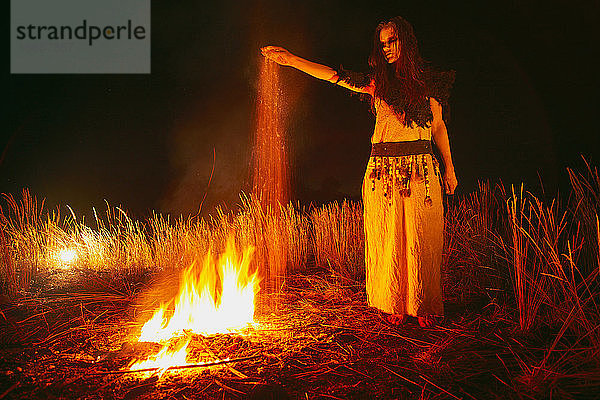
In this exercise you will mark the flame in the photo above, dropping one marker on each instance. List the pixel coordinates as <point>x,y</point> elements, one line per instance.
<point>165,358</point>
<point>217,297</point>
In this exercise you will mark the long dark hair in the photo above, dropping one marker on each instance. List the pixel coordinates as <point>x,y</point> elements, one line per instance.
<point>401,84</point>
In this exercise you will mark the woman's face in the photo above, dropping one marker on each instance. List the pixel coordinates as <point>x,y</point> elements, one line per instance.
<point>390,45</point>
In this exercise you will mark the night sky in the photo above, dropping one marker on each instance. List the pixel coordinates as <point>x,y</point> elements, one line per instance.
<point>523,105</point>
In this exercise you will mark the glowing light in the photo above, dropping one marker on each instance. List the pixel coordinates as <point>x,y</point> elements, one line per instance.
<point>67,256</point>
<point>215,297</point>
<point>165,358</point>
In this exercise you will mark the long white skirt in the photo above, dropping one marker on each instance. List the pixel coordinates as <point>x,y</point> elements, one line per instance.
<point>403,245</point>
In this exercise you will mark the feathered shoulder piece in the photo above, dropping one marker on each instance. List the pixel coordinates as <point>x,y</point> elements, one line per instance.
<point>355,79</point>
<point>438,84</point>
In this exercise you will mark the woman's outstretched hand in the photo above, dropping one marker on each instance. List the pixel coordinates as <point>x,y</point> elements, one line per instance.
<point>278,54</point>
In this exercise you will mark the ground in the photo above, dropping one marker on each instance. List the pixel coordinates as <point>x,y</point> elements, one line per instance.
<point>73,332</point>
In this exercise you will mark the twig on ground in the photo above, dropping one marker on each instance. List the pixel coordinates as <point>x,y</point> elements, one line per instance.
<point>204,365</point>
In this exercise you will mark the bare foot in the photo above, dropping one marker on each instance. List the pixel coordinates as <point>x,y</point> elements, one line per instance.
<point>427,321</point>
<point>395,319</point>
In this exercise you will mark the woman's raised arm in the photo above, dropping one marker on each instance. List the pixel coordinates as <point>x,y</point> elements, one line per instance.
<point>283,57</point>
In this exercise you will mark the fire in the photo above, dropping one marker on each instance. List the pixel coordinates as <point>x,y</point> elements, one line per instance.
<point>165,358</point>
<point>216,297</point>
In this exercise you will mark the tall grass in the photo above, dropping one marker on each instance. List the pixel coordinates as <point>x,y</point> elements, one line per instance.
<point>31,241</point>
<point>338,238</point>
<point>528,273</point>
<point>474,260</point>
<point>547,255</point>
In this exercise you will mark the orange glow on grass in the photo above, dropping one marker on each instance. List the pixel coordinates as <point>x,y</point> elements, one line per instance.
<point>67,256</point>
<point>215,297</point>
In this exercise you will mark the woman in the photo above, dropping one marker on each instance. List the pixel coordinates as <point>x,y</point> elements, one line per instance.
<point>402,198</point>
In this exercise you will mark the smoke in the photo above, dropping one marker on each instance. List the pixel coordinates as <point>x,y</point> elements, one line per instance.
<point>212,139</point>
<point>222,122</point>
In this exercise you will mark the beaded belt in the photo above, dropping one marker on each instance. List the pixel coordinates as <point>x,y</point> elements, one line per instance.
<point>392,163</point>
<point>397,149</point>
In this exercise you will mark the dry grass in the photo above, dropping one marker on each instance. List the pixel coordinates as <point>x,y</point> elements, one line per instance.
<point>338,238</point>
<point>520,276</point>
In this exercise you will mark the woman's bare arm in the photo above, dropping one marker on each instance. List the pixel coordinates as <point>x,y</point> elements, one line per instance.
<point>440,137</point>
<point>283,57</point>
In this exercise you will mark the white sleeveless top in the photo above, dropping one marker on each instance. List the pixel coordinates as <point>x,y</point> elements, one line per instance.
<point>389,127</point>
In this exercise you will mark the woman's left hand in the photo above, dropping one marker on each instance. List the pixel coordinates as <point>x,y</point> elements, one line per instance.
<point>450,181</point>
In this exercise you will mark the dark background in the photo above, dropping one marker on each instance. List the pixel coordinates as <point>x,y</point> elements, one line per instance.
<point>523,107</point>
